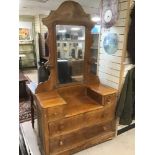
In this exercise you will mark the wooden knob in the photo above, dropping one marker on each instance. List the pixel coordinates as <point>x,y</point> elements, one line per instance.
<point>108,101</point>
<point>61,143</point>
<point>104,128</point>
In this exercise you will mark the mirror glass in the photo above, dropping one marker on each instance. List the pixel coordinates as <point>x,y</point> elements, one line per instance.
<point>94,48</point>
<point>70,53</point>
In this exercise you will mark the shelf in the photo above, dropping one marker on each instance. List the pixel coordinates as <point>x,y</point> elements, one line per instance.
<point>26,42</point>
<point>69,41</point>
<point>26,48</point>
<point>46,58</point>
<point>95,48</point>
<point>24,58</point>
<point>21,51</point>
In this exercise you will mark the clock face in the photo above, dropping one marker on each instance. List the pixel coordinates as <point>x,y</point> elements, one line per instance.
<point>108,16</point>
<point>110,13</point>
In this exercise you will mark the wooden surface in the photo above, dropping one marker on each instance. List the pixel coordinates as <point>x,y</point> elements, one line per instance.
<point>70,111</point>
<point>50,99</point>
<point>31,88</point>
<point>22,86</point>
<point>74,116</point>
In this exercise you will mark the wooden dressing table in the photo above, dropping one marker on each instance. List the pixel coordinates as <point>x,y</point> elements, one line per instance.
<point>79,114</point>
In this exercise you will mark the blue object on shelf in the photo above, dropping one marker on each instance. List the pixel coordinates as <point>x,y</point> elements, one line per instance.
<point>96,29</point>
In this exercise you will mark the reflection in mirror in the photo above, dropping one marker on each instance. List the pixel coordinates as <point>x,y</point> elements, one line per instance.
<point>94,48</point>
<point>70,53</point>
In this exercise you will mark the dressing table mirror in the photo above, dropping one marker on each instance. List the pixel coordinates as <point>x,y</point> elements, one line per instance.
<point>74,110</point>
<point>70,53</point>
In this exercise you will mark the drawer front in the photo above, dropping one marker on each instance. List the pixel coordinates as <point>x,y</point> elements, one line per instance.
<point>109,99</point>
<point>80,121</point>
<point>64,125</point>
<point>55,113</point>
<point>95,96</point>
<point>100,115</point>
<point>69,140</point>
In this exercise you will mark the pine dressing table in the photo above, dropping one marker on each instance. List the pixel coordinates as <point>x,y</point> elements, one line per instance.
<point>79,112</point>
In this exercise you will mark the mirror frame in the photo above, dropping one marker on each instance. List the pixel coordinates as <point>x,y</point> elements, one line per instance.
<point>68,13</point>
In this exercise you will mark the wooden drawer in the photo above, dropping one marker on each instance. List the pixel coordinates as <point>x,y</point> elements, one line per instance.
<point>94,95</point>
<point>100,115</point>
<point>109,99</point>
<point>72,139</point>
<point>55,113</point>
<point>80,121</point>
<point>64,125</point>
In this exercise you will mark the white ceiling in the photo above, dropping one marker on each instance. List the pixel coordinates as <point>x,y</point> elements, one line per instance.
<point>34,7</point>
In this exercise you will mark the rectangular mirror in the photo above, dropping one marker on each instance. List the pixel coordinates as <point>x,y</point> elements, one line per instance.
<point>70,53</point>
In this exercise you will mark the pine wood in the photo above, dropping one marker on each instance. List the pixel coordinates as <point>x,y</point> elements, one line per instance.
<point>74,116</point>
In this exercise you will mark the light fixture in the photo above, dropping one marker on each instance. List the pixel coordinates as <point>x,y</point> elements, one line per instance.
<point>62,31</point>
<point>95,19</point>
<point>75,28</point>
<point>41,1</point>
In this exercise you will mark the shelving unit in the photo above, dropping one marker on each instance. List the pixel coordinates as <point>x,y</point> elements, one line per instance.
<point>66,48</point>
<point>27,54</point>
<point>94,52</point>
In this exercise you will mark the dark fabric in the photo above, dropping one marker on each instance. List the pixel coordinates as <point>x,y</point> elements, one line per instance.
<point>126,104</point>
<point>40,45</point>
<point>131,37</point>
<point>64,72</point>
<point>43,74</point>
<point>46,46</point>
<point>73,53</point>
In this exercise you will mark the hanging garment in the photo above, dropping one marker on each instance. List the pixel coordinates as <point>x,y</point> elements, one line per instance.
<point>46,45</point>
<point>43,73</point>
<point>126,104</point>
<point>131,37</point>
<point>64,72</point>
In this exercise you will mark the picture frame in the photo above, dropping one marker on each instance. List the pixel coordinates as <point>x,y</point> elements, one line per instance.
<point>24,34</point>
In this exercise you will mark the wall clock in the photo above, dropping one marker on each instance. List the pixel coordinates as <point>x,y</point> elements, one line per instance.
<point>110,43</point>
<point>109,13</point>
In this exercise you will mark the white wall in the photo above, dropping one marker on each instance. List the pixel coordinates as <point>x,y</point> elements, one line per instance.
<point>42,29</point>
<point>111,67</point>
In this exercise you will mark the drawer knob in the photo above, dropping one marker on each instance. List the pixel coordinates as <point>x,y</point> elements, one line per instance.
<point>61,143</point>
<point>108,101</point>
<point>104,128</point>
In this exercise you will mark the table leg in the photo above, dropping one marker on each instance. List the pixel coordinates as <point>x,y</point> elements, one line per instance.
<point>32,110</point>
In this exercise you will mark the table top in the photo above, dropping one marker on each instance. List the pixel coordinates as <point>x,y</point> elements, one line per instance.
<point>22,78</point>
